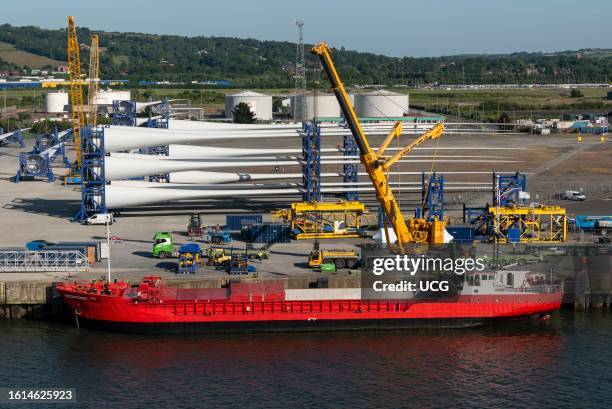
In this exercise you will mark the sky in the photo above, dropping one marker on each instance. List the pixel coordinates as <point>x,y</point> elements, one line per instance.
<point>399,28</point>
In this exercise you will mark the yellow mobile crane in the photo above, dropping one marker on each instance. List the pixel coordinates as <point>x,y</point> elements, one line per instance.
<point>76,101</point>
<point>410,231</point>
<point>94,71</point>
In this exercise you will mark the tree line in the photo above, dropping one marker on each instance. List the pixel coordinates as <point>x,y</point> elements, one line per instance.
<point>270,64</point>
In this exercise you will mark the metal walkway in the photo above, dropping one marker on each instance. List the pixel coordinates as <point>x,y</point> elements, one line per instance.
<point>44,260</point>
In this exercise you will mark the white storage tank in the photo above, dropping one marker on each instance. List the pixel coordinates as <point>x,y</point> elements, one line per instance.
<point>260,104</point>
<point>56,102</point>
<point>382,103</point>
<point>107,96</point>
<point>325,105</point>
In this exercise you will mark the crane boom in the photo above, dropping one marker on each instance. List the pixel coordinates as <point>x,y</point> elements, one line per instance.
<point>94,70</point>
<point>76,91</point>
<point>375,165</point>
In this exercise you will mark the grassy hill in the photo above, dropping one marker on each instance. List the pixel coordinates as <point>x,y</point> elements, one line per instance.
<point>269,64</point>
<point>20,58</point>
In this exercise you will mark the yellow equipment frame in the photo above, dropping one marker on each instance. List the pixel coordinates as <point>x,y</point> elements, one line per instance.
<point>310,218</point>
<point>545,224</point>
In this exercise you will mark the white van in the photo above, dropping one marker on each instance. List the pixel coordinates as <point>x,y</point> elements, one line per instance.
<point>101,218</point>
<point>573,195</point>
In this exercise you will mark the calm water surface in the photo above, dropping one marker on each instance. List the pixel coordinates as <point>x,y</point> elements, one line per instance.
<point>563,363</point>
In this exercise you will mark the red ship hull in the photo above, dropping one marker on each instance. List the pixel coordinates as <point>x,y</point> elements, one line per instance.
<point>111,311</point>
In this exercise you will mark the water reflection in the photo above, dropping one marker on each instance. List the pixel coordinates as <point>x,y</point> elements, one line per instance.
<point>516,364</point>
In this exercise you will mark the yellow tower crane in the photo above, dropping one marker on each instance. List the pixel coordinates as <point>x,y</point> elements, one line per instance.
<point>76,100</point>
<point>94,72</point>
<point>407,231</point>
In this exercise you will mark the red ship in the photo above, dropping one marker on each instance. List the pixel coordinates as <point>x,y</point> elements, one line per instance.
<point>483,298</point>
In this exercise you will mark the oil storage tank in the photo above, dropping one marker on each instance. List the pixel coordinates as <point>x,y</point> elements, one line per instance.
<point>56,102</point>
<point>308,106</point>
<point>260,104</point>
<point>381,103</point>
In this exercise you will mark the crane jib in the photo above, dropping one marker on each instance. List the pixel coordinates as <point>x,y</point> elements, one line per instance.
<point>407,231</point>
<point>346,109</point>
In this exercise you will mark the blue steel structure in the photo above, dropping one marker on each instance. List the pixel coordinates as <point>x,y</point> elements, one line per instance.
<point>507,189</point>
<point>164,111</point>
<point>59,157</point>
<point>43,142</point>
<point>16,137</point>
<point>34,165</point>
<point>478,218</point>
<point>432,197</point>
<point>124,113</point>
<point>48,150</point>
<point>93,180</point>
<point>351,175</point>
<point>311,167</point>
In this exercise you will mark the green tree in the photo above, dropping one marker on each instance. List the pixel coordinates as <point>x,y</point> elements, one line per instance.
<point>242,114</point>
<point>576,93</point>
<point>504,118</point>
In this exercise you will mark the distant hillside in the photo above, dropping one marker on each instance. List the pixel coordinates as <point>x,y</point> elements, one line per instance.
<point>20,58</point>
<point>269,64</point>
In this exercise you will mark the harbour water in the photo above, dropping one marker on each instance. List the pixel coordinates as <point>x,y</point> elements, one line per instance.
<point>560,363</point>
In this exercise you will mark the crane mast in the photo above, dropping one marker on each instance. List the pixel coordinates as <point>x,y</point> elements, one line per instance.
<point>76,91</point>
<point>92,91</point>
<point>417,230</point>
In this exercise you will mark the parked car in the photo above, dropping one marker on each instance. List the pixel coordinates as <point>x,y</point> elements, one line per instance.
<point>101,218</point>
<point>573,195</point>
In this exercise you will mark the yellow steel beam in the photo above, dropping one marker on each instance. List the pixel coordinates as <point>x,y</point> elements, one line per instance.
<point>433,133</point>
<point>76,92</point>
<point>308,236</point>
<point>94,74</point>
<point>302,207</point>
<point>395,133</point>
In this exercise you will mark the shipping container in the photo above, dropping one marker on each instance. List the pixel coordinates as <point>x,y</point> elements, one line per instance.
<point>268,233</point>
<point>234,222</point>
<point>461,233</point>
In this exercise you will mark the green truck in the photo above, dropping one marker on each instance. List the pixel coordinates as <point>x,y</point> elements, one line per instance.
<point>163,245</point>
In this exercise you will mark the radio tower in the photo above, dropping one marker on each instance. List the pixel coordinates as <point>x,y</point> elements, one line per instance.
<point>300,74</point>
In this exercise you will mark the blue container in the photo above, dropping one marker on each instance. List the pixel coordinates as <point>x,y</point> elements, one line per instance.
<point>461,233</point>
<point>234,222</point>
<point>514,235</point>
<point>269,233</point>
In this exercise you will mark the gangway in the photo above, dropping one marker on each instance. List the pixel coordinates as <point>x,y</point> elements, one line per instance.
<point>20,260</point>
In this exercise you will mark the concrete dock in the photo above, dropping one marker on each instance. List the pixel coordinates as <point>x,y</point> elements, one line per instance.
<point>33,210</point>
